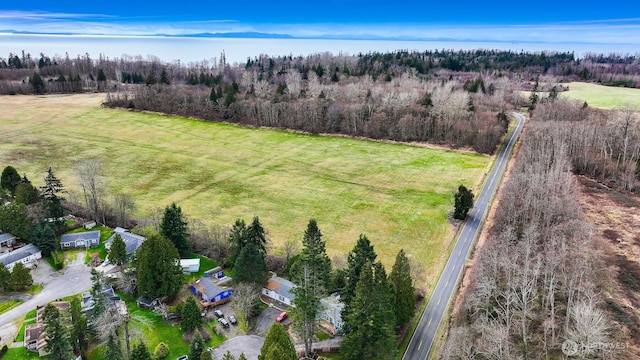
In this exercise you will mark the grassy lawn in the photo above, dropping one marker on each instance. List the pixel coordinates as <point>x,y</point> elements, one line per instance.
<point>152,329</point>
<point>9,304</point>
<point>398,195</point>
<point>607,97</point>
<point>20,353</point>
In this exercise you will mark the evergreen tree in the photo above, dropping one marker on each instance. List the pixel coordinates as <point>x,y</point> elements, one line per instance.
<point>242,356</point>
<point>255,235</point>
<point>20,277</point>
<point>5,276</point>
<point>78,335</point>
<point>164,77</point>
<point>140,352</point>
<point>533,98</point>
<point>161,351</point>
<point>206,355</point>
<point>174,228</point>
<point>158,270</point>
<point>228,356</point>
<point>190,314</point>
<point>372,320</point>
<point>97,295</point>
<point>403,290</point>
<point>237,241</point>
<point>10,179</point>
<point>463,202</point>
<point>311,275</point>
<point>117,251</point>
<point>26,193</point>
<point>250,266</point>
<point>361,254</point>
<point>51,193</point>
<point>58,345</point>
<point>14,219</point>
<point>197,346</point>
<point>277,345</point>
<point>37,83</point>
<point>44,237</point>
<point>113,350</point>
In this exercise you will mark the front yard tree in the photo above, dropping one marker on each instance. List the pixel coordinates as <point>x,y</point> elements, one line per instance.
<point>159,273</point>
<point>361,254</point>
<point>89,176</point>
<point>5,276</point>
<point>463,202</point>
<point>197,346</point>
<point>277,345</point>
<point>78,335</point>
<point>174,228</point>
<point>97,295</point>
<point>403,290</point>
<point>44,237</point>
<point>10,179</point>
<point>311,273</point>
<point>140,352</point>
<point>20,277</point>
<point>58,345</point>
<point>237,240</point>
<point>250,266</point>
<point>51,195</point>
<point>113,350</point>
<point>190,314</point>
<point>255,235</point>
<point>14,219</point>
<point>371,321</point>
<point>117,251</point>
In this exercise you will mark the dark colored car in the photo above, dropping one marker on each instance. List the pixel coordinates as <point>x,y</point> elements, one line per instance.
<point>281,317</point>
<point>232,319</point>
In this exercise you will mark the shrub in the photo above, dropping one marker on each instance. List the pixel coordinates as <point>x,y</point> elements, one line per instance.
<point>161,351</point>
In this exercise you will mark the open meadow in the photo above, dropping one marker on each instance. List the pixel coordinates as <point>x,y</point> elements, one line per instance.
<point>398,195</point>
<point>606,97</point>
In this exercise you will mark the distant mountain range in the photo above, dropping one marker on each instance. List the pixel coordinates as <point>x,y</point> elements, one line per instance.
<point>262,35</point>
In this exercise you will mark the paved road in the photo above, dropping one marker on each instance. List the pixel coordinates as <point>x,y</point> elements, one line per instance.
<point>74,279</point>
<point>423,337</point>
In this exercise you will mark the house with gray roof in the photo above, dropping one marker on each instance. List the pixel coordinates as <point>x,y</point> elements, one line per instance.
<point>279,289</point>
<point>81,240</point>
<point>132,241</point>
<point>27,255</point>
<point>212,291</point>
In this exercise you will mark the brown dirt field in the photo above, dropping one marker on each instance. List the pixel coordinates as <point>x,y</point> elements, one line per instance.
<point>615,217</point>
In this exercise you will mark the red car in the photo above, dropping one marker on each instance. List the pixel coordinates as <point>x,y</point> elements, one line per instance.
<point>281,317</point>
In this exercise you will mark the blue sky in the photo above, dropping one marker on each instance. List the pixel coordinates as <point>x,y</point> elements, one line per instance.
<point>464,20</point>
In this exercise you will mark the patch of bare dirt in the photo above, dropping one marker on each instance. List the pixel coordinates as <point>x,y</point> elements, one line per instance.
<point>615,216</point>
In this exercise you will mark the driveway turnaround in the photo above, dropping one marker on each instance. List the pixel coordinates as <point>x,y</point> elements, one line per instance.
<point>422,340</point>
<point>75,278</point>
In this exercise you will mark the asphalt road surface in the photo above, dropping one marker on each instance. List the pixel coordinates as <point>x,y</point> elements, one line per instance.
<point>75,278</point>
<point>423,337</point>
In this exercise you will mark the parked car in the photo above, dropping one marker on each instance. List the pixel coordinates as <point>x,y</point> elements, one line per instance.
<point>232,319</point>
<point>223,322</point>
<point>184,357</point>
<point>219,313</point>
<point>281,317</point>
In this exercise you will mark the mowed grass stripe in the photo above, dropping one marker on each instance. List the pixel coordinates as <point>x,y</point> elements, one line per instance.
<point>398,195</point>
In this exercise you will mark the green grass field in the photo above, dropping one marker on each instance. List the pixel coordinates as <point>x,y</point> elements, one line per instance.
<point>9,304</point>
<point>398,195</point>
<point>600,96</point>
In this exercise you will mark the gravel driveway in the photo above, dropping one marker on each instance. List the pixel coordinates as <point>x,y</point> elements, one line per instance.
<point>73,279</point>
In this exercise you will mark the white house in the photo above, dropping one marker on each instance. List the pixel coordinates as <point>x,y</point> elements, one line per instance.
<point>279,289</point>
<point>27,255</point>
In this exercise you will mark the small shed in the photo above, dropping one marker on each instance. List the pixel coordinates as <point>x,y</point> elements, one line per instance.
<point>190,265</point>
<point>7,239</point>
<point>146,303</point>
